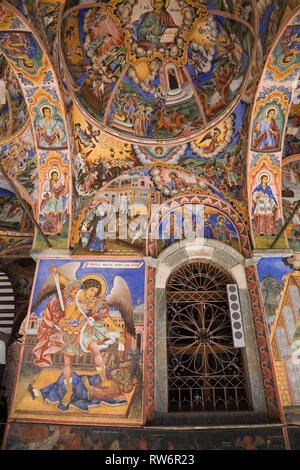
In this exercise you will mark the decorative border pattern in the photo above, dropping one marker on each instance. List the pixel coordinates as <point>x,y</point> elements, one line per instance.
<point>263,346</point>
<point>209,201</point>
<point>149,350</point>
<point>277,85</point>
<point>40,88</point>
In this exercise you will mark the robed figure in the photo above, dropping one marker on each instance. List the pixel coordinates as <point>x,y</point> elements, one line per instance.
<point>76,322</point>
<point>267,132</point>
<point>264,209</point>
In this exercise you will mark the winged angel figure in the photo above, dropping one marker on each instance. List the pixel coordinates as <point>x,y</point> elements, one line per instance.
<point>76,318</point>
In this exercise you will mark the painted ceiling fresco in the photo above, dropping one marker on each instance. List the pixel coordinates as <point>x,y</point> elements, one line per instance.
<point>158,71</point>
<point>142,83</point>
<point>127,126</point>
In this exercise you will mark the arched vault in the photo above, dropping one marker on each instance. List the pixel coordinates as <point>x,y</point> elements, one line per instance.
<point>21,46</point>
<point>267,137</point>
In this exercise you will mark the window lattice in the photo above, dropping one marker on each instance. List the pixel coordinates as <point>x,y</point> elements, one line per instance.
<point>205,371</point>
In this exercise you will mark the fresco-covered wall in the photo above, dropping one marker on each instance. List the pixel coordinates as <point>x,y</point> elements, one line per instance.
<point>22,48</point>
<point>64,376</point>
<point>43,437</point>
<point>129,126</point>
<point>280,286</point>
<point>268,146</point>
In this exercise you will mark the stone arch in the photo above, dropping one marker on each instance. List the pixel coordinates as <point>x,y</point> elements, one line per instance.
<point>40,87</point>
<point>234,263</point>
<point>275,90</point>
<point>207,201</point>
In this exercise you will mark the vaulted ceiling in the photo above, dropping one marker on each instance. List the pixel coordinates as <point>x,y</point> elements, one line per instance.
<point>102,92</point>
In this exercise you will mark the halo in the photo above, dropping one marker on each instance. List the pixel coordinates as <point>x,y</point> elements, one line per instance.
<point>264,174</point>
<point>28,64</point>
<point>173,173</point>
<point>287,59</point>
<point>45,106</point>
<point>166,3</point>
<point>271,107</point>
<point>221,216</point>
<point>160,148</point>
<point>54,170</point>
<point>98,278</point>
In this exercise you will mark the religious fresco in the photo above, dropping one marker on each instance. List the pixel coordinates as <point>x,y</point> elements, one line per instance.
<point>19,161</point>
<point>98,158</point>
<point>220,156</point>
<point>189,216</point>
<point>144,79</point>
<point>115,220</point>
<point>155,153</point>
<point>271,272</point>
<point>11,213</point>
<point>54,199</point>
<point>149,115</point>
<point>33,436</point>
<point>217,155</point>
<point>28,9</point>
<point>230,58</point>
<point>39,86</point>
<point>267,134</point>
<point>178,103</point>
<point>285,60</point>
<point>49,127</point>
<point>16,244</point>
<point>270,15</point>
<point>269,120</point>
<point>16,229</point>
<point>194,221</point>
<point>213,143</point>
<point>48,14</point>
<point>292,134</point>
<point>280,287</point>
<point>13,109</point>
<point>90,314</point>
<point>270,139</point>
<point>290,197</point>
<point>266,219</point>
<point>23,50</point>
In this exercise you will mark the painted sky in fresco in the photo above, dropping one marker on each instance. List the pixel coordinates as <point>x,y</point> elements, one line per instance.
<point>275,266</point>
<point>133,277</point>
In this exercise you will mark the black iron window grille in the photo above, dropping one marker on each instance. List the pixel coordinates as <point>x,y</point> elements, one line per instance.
<point>205,371</point>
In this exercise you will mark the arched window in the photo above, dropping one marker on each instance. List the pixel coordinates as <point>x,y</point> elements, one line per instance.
<point>205,371</point>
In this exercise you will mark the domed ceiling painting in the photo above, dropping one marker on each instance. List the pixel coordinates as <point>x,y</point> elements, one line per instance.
<point>160,70</point>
